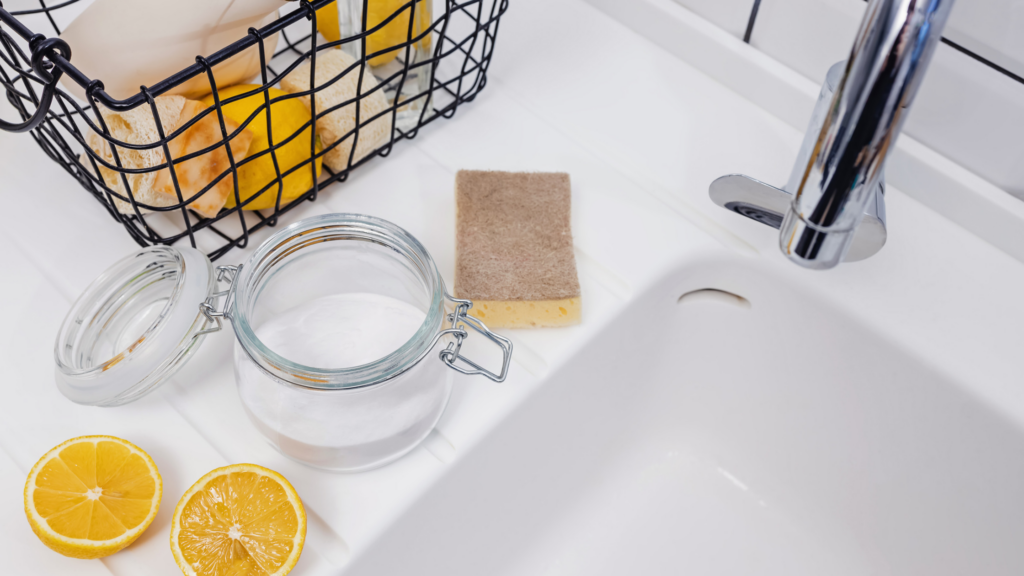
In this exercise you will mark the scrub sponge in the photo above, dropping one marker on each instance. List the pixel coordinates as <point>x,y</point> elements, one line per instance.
<point>513,244</point>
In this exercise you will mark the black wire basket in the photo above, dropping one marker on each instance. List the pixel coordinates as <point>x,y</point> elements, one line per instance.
<point>461,41</point>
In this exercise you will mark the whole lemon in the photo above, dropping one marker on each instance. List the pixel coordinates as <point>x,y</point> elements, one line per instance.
<point>286,117</point>
<point>327,22</point>
<point>394,33</point>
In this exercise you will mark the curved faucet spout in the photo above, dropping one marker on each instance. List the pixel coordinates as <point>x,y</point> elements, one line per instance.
<point>841,165</point>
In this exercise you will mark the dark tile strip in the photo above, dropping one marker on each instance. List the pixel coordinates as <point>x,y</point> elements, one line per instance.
<point>981,59</point>
<point>750,22</point>
<point>964,51</point>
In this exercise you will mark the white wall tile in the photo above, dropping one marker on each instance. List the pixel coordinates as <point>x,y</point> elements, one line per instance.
<point>807,35</point>
<point>973,115</point>
<point>965,110</point>
<point>993,29</point>
<point>730,15</point>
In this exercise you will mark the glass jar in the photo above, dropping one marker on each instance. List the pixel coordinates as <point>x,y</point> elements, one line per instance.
<point>399,46</point>
<point>141,318</point>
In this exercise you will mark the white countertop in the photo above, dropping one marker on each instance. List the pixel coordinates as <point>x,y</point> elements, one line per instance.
<point>641,133</point>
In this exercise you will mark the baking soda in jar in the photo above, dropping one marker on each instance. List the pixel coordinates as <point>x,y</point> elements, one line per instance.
<point>348,428</point>
<point>346,340</point>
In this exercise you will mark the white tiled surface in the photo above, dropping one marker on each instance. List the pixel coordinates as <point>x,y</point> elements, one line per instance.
<point>965,110</point>
<point>730,15</point>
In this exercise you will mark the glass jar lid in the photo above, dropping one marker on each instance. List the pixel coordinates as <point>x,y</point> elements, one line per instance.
<point>134,326</point>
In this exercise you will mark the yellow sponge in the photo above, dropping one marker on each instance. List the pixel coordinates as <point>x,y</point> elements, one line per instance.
<point>527,313</point>
<point>513,244</point>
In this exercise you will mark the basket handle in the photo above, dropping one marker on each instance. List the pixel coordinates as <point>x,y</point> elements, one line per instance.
<point>42,48</point>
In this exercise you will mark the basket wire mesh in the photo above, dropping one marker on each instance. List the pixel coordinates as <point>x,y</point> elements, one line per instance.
<point>462,37</point>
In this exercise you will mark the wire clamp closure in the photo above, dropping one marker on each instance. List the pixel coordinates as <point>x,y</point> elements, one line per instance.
<point>227,275</point>
<point>459,320</point>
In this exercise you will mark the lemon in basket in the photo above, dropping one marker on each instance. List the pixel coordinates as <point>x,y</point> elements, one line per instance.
<point>286,117</point>
<point>239,519</point>
<point>327,22</point>
<point>394,33</point>
<point>92,496</point>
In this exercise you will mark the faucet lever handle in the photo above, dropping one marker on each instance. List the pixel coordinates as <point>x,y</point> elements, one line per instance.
<point>767,204</point>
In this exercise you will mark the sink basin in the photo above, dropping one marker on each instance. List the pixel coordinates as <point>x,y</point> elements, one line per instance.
<point>690,437</point>
<point>718,411</point>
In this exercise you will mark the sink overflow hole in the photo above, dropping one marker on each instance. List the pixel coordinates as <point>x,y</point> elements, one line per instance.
<point>714,295</point>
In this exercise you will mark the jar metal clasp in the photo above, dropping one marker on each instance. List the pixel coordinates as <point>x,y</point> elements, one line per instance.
<point>459,319</point>
<point>225,274</point>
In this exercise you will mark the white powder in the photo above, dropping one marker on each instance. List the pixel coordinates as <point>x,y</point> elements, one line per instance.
<point>344,429</point>
<point>342,330</point>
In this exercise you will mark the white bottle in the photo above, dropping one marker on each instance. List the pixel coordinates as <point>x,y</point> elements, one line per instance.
<point>131,43</point>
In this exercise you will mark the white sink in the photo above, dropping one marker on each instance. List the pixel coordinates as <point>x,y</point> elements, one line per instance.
<point>868,420</point>
<point>716,435</point>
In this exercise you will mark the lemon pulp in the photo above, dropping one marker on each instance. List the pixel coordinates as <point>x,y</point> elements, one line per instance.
<point>240,519</point>
<point>92,496</point>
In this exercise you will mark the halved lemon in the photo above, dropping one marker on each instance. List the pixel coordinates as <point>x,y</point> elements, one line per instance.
<point>92,496</point>
<point>242,519</point>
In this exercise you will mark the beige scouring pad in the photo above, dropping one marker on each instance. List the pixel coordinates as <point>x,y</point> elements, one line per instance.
<point>513,248</point>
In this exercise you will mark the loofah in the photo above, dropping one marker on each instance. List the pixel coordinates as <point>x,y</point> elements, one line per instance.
<point>340,123</point>
<point>156,188</point>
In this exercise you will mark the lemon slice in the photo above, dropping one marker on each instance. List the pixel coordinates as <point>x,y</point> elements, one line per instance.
<point>239,519</point>
<point>92,496</point>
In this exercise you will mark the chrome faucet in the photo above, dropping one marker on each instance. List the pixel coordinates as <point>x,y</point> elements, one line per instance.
<point>833,207</point>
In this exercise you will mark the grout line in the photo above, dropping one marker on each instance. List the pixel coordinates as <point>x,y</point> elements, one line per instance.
<point>36,263</point>
<point>750,22</point>
<point>439,446</point>
<point>327,543</point>
<point>5,451</point>
<point>526,358</point>
<point>609,280</point>
<point>967,52</point>
<point>981,59</point>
